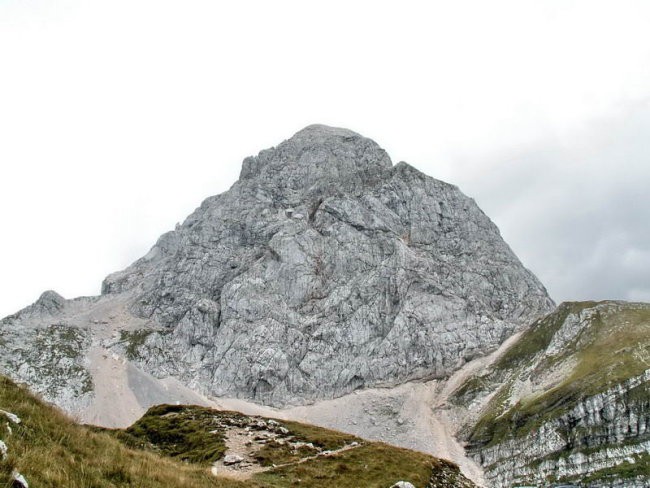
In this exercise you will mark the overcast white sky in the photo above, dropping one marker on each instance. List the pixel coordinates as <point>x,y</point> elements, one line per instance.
<point>117,118</point>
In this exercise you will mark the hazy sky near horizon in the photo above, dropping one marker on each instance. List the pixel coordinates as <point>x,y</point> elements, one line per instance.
<point>118,118</point>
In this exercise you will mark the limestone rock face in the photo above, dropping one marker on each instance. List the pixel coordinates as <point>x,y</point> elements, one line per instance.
<point>591,439</point>
<point>324,269</point>
<point>568,402</point>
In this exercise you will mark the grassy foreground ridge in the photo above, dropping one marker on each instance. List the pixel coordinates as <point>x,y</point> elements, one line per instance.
<point>179,446</point>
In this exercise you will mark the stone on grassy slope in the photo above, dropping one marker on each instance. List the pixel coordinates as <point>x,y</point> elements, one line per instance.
<point>18,480</point>
<point>232,459</point>
<point>11,417</point>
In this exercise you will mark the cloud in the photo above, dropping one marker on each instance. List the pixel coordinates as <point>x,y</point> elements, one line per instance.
<point>576,209</point>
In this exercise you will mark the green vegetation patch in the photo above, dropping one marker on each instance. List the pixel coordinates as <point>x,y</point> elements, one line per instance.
<point>133,340</point>
<point>197,434</point>
<point>188,433</point>
<point>487,430</point>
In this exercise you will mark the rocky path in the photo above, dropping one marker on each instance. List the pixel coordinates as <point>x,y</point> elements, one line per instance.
<point>239,461</point>
<point>347,447</point>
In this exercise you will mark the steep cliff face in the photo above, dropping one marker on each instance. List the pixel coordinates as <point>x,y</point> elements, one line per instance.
<point>570,401</point>
<point>324,269</point>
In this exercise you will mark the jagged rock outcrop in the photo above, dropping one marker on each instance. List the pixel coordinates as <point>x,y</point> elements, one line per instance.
<point>569,402</point>
<point>324,269</point>
<point>40,348</point>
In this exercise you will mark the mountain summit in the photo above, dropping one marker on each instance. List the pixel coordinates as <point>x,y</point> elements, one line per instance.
<point>323,270</point>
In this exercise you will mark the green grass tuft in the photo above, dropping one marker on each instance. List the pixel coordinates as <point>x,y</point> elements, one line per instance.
<point>133,340</point>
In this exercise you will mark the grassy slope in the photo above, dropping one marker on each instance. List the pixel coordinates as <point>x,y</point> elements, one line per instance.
<point>52,451</point>
<point>171,446</point>
<point>183,432</point>
<point>197,435</point>
<point>614,346</point>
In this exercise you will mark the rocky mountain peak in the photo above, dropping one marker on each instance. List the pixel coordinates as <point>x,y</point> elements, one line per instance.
<point>49,303</point>
<point>49,299</point>
<point>320,134</point>
<point>324,269</point>
<point>316,162</point>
